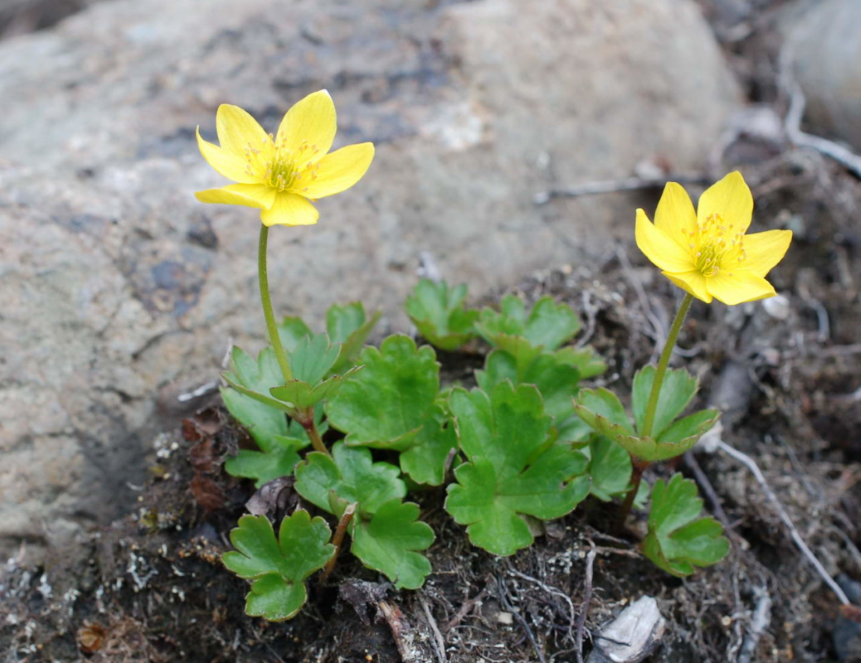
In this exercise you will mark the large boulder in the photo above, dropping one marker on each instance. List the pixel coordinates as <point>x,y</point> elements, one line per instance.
<point>120,291</point>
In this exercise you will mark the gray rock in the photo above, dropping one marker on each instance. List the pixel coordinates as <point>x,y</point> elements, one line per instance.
<point>120,291</point>
<point>823,48</point>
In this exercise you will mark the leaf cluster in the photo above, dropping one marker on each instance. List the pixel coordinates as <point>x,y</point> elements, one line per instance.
<point>528,444</point>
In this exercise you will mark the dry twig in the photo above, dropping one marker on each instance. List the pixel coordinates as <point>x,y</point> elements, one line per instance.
<point>584,607</point>
<point>439,643</point>
<point>503,596</point>
<point>796,537</point>
<point>760,622</point>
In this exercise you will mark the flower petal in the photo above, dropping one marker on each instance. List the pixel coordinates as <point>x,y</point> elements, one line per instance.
<point>311,123</point>
<point>225,163</point>
<point>692,282</point>
<point>290,210</point>
<point>765,250</point>
<point>249,195</point>
<point>738,288</point>
<point>731,199</point>
<point>676,213</point>
<point>340,170</point>
<point>660,248</point>
<point>237,130</point>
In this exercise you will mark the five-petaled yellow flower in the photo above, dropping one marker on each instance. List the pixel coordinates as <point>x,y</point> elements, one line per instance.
<point>706,252</point>
<point>281,174</point>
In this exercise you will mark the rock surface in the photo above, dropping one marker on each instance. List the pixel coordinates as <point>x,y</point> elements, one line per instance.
<point>118,290</point>
<point>823,49</point>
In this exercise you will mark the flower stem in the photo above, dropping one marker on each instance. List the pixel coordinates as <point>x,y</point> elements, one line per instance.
<point>655,394</point>
<point>265,299</point>
<point>313,434</point>
<point>638,467</point>
<point>338,539</point>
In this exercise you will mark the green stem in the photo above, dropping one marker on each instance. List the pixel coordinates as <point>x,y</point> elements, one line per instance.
<point>265,299</point>
<point>638,467</point>
<point>314,434</point>
<point>655,394</point>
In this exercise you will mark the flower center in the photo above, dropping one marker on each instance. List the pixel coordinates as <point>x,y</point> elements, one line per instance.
<point>281,167</point>
<point>715,246</point>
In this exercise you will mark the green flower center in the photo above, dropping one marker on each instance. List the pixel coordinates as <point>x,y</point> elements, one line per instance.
<point>292,170</point>
<point>714,246</point>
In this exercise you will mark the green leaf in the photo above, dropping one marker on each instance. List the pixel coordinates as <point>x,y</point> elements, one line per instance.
<point>511,468</point>
<point>253,379</point>
<point>349,326</point>
<point>677,390</point>
<point>677,541</point>
<point>558,382</point>
<point>388,402</point>
<point>438,313</point>
<point>548,325</point>
<point>302,395</point>
<point>261,421</point>
<point>391,541</point>
<point>609,467</point>
<point>278,458</point>
<point>352,476</point>
<point>425,460</point>
<point>604,413</point>
<point>312,358</point>
<point>586,360</point>
<point>278,570</point>
<point>291,331</point>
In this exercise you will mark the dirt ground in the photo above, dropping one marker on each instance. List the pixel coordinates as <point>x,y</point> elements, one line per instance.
<point>787,375</point>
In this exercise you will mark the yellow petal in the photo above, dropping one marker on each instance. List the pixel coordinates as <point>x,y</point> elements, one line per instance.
<point>225,163</point>
<point>692,282</point>
<point>249,195</point>
<point>660,248</point>
<point>739,288</point>
<point>676,213</point>
<point>731,200</point>
<point>310,124</point>
<point>237,130</point>
<point>765,250</point>
<point>290,210</point>
<point>340,170</point>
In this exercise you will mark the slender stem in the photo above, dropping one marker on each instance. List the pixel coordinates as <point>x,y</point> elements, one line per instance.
<point>265,299</point>
<point>655,394</point>
<point>314,435</point>
<point>638,467</point>
<point>339,538</point>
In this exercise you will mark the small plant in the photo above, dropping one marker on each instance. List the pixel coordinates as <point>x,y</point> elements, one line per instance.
<point>527,444</point>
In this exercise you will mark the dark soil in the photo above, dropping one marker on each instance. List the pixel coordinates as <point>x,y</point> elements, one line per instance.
<point>151,586</point>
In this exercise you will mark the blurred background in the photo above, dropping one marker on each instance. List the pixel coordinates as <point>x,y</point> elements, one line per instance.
<point>506,141</point>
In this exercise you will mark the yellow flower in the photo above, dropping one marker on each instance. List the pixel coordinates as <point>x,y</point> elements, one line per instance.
<point>281,174</point>
<point>706,252</point>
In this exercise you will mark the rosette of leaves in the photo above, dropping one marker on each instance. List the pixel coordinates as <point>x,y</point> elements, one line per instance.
<point>280,566</point>
<point>438,312</point>
<point>515,468</point>
<point>392,404</point>
<point>557,376</point>
<point>678,540</point>
<point>347,325</point>
<point>548,325</point>
<point>671,436</point>
<point>386,533</point>
<point>311,361</point>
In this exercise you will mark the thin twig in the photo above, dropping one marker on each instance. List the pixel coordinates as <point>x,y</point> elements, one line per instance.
<point>706,486</point>
<point>465,609</point>
<point>550,590</point>
<point>503,596</point>
<point>584,607</point>
<point>614,186</point>
<point>799,138</point>
<point>761,619</point>
<point>796,537</point>
<point>438,641</point>
<point>338,539</point>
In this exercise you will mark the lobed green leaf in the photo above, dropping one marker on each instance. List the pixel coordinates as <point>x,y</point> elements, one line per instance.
<point>439,314</point>
<point>548,325</point>
<point>278,567</point>
<point>678,541</point>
